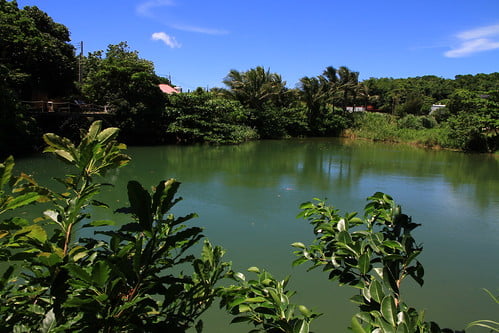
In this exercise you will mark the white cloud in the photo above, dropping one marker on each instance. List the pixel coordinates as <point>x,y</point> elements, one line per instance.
<point>168,40</point>
<point>472,46</point>
<point>481,32</point>
<point>473,41</point>
<point>149,9</point>
<point>201,30</point>
<point>145,8</point>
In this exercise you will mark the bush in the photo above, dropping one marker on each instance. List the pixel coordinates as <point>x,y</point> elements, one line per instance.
<point>205,117</point>
<point>410,121</point>
<point>375,126</point>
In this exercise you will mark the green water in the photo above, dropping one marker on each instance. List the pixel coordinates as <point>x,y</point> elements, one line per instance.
<point>247,198</point>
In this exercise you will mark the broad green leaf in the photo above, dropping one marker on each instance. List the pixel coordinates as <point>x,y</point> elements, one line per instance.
<point>356,220</point>
<point>79,273</point>
<point>304,310</point>
<point>376,291</point>
<point>100,273</point>
<point>357,327</point>
<point>301,326</point>
<point>56,142</point>
<point>389,310</point>
<point>22,200</point>
<point>306,205</point>
<point>107,134</point>
<point>385,326</point>
<point>365,316</point>
<point>33,231</point>
<point>344,237</point>
<point>393,245</point>
<point>140,202</point>
<point>364,263</point>
<point>253,269</point>
<point>207,253</point>
<point>93,130</point>
<point>402,328</point>
<point>49,259</point>
<point>254,300</point>
<point>65,156</point>
<point>298,245</point>
<point>244,308</point>
<point>236,302</point>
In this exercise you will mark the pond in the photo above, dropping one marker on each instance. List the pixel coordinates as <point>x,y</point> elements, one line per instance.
<point>247,198</point>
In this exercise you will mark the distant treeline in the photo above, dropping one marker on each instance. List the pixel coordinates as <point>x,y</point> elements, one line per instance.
<point>39,63</point>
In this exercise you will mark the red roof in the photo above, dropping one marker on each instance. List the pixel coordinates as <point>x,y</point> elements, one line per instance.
<point>167,89</point>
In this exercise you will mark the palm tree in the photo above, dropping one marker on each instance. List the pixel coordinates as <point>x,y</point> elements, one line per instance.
<point>256,87</point>
<point>314,93</point>
<point>332,83</point>
<point>349,85</point>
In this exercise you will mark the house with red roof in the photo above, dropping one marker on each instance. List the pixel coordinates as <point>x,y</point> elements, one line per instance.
<point>167,89</point>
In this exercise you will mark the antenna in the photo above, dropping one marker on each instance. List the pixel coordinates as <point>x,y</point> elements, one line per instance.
<point>79,61</point>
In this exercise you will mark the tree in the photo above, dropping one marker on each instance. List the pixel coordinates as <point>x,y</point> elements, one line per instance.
<point>125,280</point>
<point>206,117</point>
<point>265,95</point>
<point>37,62</point>
<point>129,85</point>
<point>256,87</point>
<point>332,83</point>
<point>475,124</point>
<point>373,254</point>
<point>349,85</point>
<point>314,92</point>
<point>36,50</point>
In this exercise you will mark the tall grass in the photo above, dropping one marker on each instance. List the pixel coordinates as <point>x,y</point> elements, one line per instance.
<point>389,128</point>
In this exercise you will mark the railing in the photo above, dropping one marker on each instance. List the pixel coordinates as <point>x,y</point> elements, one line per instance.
<point>76,107</point>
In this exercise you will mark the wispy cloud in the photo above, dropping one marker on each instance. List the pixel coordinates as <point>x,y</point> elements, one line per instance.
<point>202,30</point>
<point>476,40</point>
<point>167,39</point>
<point>150,8</point>
<point>146,8</point>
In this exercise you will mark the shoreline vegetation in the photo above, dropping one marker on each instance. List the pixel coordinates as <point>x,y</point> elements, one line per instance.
<point>429,111</point>
<point>432,138</point>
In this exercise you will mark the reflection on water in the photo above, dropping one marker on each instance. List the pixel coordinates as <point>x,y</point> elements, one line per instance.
<point>247,197</point>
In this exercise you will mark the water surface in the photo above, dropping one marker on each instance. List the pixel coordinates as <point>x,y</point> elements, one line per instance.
<point>247,197</point>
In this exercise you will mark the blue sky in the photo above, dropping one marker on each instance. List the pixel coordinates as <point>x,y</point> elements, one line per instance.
<point>197,42</point>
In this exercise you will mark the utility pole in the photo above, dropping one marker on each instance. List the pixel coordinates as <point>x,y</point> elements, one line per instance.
<point>79,62</point>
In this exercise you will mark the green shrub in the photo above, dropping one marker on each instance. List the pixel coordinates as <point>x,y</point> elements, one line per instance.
<point>410,121</point>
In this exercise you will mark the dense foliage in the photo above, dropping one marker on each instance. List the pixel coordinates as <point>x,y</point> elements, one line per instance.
<point>127,85</point>
<point>207,117</point>
<point>36,61</point>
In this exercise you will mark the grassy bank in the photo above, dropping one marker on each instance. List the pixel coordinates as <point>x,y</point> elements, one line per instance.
<point>415,130</point>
